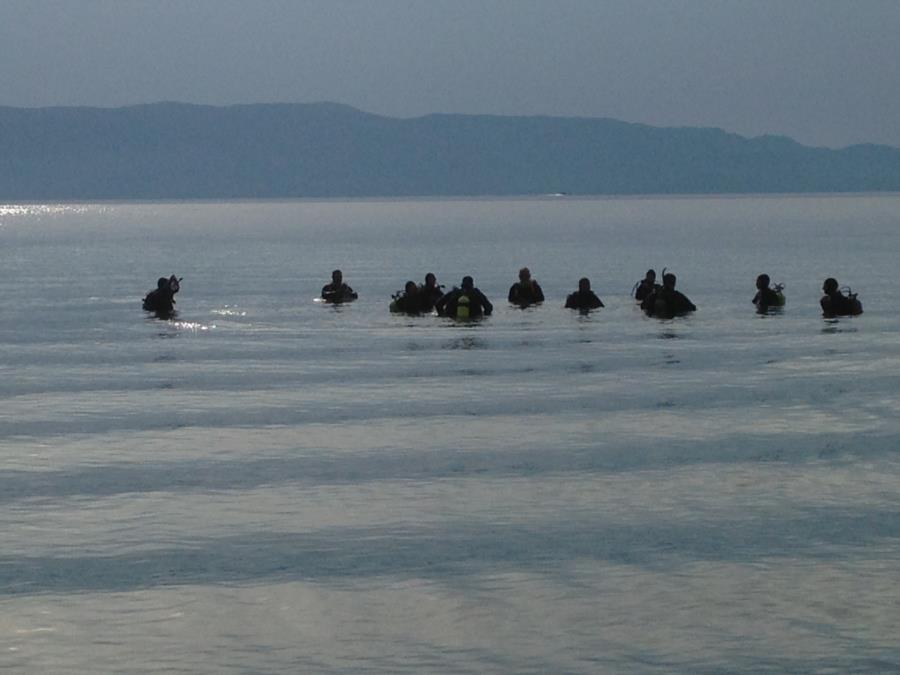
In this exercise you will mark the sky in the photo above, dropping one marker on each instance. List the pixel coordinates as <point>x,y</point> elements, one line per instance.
<point>824,72</point>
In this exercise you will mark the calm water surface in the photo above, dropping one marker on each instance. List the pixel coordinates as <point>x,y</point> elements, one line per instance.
<point>270,485</point>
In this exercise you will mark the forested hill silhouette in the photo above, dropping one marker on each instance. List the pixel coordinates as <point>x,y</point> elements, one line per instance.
<point>181,151</point>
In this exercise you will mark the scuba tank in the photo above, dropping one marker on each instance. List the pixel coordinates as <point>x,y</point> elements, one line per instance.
<point>395,302</point>
<point>853,302</point>
<point>661,307</point>
<point>779,288</point>
<point>463,308</point>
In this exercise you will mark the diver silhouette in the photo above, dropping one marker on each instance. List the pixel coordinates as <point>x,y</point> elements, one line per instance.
<point>526,291</point>
<point>337,291</point>
<point>834,303</point>
<point>162,300</point>
<point>666,302</point>
<point>466,302</point>
<point>584,298</point>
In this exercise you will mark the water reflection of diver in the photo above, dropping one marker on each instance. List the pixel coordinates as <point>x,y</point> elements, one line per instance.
<point>429,293</point>
<point>337,291</point>
<point>464,303</point>
<point>766,297</point>
<point>162,300</point>
<point>584,298</point>
<point>834,303</point>
<point>408,301</point>
<point>646,286</point>
<point>666,302</point>
<point>526,291</point>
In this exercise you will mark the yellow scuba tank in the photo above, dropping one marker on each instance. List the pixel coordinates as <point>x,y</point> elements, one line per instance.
<point>463,310</point>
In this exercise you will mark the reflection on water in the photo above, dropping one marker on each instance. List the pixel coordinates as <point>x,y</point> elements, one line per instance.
<point>171,328</point>
<point>416,347</point>
<point>466,342</point>
<point>833,326</point>
<point>229,311</point>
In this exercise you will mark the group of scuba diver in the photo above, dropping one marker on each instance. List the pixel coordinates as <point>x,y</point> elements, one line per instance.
<point>468,302</point>
<point>664,301</point>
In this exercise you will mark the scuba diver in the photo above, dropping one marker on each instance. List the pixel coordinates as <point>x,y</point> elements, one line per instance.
<point>337,291</point>
<point>584,298</point>
<point>666,302</point>
<point>526,291</point>
<point>766,297</point>
<point>408,301</point>
<point>162,300</point>
<point>645,286</point>
<point>464,303</point>
<point>834,303</point>
<point>429,293</point>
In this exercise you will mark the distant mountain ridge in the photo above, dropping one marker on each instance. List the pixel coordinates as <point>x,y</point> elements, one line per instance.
<point>185,151</point>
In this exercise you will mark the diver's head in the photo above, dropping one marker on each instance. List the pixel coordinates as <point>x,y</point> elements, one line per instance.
<point>651,275</point>
<point>669,280</point>
<point>430,280</point>
<point>524,275</point>
<point>830,286</point>
<point>584,284</point>
<point>411,287</point>
<point>162,284</point>
<point>468,283</point>
<point>337,277</point>
<point>762,281</point>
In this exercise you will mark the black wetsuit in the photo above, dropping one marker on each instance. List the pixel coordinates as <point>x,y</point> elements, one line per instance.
<point>667,303</point>
<point>766,298</point>
<point>525,294</point>
<point>473,299</point>
<point>343,293</point>
<point>407,304</point>
<point>428,297</point>
<point>161,301</point>
<point>838,304</point>
<point>583,300</point>
<point>644,289</point>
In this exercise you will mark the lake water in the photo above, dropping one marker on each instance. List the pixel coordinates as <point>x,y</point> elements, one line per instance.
<point>271,485</point>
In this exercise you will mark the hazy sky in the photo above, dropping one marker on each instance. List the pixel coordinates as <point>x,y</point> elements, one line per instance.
<point>825,72</point>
